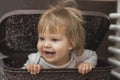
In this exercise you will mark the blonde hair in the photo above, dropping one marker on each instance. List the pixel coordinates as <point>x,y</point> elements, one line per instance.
<point>65,16</point>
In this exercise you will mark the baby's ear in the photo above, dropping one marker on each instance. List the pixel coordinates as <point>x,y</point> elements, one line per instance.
<point>70,47</point>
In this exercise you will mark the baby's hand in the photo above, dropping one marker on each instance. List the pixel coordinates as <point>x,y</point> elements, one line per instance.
<point>84,67</point>
<point>33,68</point>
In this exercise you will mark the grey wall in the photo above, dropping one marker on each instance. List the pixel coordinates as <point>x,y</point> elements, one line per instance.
<point>10,5</point>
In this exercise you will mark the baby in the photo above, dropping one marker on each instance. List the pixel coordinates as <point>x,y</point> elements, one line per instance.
<point>61,40</point>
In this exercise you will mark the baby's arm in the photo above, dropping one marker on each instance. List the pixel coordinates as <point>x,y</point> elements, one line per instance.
<point>32,65</point>
<point>89,63</point>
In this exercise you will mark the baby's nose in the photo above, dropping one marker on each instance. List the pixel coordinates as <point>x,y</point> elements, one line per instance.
<point>47,44</point>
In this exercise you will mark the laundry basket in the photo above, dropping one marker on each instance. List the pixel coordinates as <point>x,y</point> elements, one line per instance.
<point>18,38</point>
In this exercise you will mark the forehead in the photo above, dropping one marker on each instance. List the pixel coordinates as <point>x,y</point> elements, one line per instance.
<point>52,29</point>
<point>49,31</point>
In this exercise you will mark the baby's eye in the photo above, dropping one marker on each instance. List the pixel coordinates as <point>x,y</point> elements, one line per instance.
<point>41,38</point>
<point>55,40</point>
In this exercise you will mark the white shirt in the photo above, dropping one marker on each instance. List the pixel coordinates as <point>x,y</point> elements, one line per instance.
<point>87,56</point>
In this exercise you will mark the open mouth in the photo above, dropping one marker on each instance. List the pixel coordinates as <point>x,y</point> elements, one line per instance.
<point>49,54</point>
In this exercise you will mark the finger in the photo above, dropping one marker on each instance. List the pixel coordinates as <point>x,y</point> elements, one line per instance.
<point>87,69</point>
<point>83,70</point>
<point>90,68</point>
<point>35,68</point>
<point>38,69</point>
<point>28,68</point>
<point>32,69</point>
<point>80,68</point>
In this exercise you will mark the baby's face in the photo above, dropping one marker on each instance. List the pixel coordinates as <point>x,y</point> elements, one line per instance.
<point>54,48</point>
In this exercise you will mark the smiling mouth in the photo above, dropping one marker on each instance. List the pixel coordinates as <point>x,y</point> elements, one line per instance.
<point>49,54</point>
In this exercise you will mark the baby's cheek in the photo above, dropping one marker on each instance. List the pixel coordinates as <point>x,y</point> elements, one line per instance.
<point>39,46</point>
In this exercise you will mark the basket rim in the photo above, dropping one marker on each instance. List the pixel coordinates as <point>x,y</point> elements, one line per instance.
<point>20,70</point>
